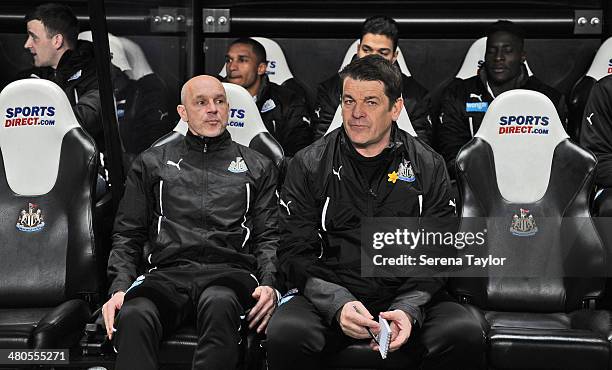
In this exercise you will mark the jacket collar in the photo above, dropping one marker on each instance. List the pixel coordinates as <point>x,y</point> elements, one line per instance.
<point>263,93</point>
<point>401,146</point>
<point>519,83</point>
<point>74,60</point>
<point>211,144</point>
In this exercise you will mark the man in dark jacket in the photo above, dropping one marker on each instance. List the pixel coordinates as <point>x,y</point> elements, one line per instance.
<point>59,57</point>
<point>379,35</point>
<point>283,111</point>
<point>140,96</point>
<point>596,133</point>
<point>464,102</point>
<point>205,209</point>
<point>349,174</point>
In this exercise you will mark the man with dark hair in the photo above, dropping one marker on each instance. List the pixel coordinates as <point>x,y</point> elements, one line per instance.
<point>59,57</point>
<point>464,102</point>
<point>329,188</point>
<point>202,212</point>
<point>283,111</point>
<point>379,35</point>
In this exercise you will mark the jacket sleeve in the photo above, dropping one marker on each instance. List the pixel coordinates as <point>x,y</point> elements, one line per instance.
<point>327,297</point>
<point>297,131</point>
<point>147,116</point>
<point>453,130</point>
<point>130,231</point>
<point>301,245</point>
<point>421,121</point>
<point>596,133</point>
<point>265,228</point>
<point>326,104</point>
<point>87,111</point>
<point>418,291</point>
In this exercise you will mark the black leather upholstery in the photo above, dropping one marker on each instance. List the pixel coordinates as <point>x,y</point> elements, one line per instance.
<point>579,340</point>
<point>62,326</point>
<point>565,201</point>
<point>538,322</point>
<point>47,182</point>
<point>169,137</point>
<point>44,270</point>
<point>17,325</point>
<point>265,143</point>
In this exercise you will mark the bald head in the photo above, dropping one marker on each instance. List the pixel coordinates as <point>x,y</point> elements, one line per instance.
<point>204,106</point>
<point>203,81</point>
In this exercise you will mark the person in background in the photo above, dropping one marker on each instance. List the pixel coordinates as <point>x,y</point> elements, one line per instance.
<point>283,111</point>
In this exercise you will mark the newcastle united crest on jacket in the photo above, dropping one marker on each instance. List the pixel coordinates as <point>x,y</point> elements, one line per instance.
<point>30,220</point>
<point>238,166</point>
<point>404,172</point>
<point>524,225</point>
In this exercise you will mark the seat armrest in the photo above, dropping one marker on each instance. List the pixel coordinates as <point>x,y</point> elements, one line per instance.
<point>63,326</point>
<point>598,321</point>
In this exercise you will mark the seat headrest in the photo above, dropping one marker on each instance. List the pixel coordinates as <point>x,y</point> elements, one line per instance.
<point>181,127</point>
<point>474,59</point>
<point>602,63</point>
<point>244,121</point>
<point>403,121</point>
<point>352,50</point>
<point>118,56</point>
<point>519,122</point>
<point>37,115</point>
<point>136,58</point>
<point>278,69</point>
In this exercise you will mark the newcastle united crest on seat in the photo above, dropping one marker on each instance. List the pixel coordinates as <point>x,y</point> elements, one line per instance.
<point>524,225</point>
<point>32,220</point>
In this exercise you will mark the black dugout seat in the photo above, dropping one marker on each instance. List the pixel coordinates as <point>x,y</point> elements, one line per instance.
<point>600,68</point>
<point>48,169</point>
<point>528,185</point>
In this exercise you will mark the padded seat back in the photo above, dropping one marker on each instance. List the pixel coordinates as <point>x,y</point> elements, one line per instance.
<point>118,55</point>
<point>600,68</point>
<point>351,52</point>
<point>48,169</point>
<point>531,184</point>
<point>278,69</point>
<point>403,121</point>
<point>474,58</point>
<point>244,124</point>
<point>602,62</point>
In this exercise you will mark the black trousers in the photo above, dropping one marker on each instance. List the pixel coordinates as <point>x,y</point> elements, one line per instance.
<point>157,305</point>
<point>450,338</point>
